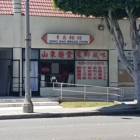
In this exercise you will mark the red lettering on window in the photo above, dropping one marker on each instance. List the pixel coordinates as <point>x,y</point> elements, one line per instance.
<point>44,54</point>
<point>95,55</point>
<point>103,55</point>
<point>69,54</point>
<point>45,69</point>
<point>79,67</point>
<point>52,54</point>
<point>87,54</point>
<point>61,54</point>
<point>78,54</point>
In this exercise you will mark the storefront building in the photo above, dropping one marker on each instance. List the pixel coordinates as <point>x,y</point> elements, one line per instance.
<point>65,48</point>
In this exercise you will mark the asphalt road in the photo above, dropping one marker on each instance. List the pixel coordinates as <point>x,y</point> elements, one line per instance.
<point>72,128</point>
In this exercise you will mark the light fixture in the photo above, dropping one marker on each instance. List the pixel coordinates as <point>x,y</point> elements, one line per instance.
<point>100,27</point>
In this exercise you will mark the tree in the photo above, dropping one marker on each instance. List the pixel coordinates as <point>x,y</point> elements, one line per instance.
<point>111,11</point>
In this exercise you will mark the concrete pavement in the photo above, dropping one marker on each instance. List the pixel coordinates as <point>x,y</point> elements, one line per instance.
<point>58,111</point>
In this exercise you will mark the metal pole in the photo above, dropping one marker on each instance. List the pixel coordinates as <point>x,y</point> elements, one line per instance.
<point>28,105</point>
<point>84,93</point>
<point>61,91</point>
<point>107,95</point>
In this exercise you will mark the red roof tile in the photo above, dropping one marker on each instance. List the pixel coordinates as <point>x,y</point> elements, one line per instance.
<point>6,7</point>
<point>37,8</point>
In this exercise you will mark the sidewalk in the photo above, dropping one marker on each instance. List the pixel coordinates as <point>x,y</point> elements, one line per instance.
<point>58,111</point>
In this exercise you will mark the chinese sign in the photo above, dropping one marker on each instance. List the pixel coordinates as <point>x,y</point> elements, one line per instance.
<point>91,55</point>
<point>67,39</point>
<point>92,72</point>
<point>57,54</point>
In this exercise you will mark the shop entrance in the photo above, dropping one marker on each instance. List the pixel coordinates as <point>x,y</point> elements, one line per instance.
<point>56,71</point>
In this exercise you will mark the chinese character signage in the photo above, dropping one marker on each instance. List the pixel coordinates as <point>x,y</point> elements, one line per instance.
<point>67,39</point>
<point>91,55</point>
<point>57,54</point>
<point>91,73</point>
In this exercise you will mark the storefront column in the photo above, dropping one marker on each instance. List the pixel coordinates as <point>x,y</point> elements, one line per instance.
<point>113,68</point>
<point>17,31</point>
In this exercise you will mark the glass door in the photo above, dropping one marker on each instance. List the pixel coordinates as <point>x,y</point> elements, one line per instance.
<point>33,78</point>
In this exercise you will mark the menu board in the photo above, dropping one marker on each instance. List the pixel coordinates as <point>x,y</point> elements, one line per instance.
<point>92,72</point>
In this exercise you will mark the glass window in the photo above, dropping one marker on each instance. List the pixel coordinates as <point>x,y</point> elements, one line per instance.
<point>33,76</point>
<point>5,53</point>
<point>34,54</point>
<point>56,71</point>
<point>91,73</point>
<point>124,79</point>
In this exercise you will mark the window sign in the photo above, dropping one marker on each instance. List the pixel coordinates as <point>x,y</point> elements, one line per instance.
<point>91,55</point>
<point>91,73</point>
<point>57,54</point>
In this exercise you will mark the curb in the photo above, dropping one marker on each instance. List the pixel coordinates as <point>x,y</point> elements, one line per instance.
<point>77,114</point>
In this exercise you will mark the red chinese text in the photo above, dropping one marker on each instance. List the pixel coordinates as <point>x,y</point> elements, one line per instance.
<point>69,54</point>
<point>57,37</point>
<point>79,54</point>
<point>103,55</point>
<point>61,54</point>
<point>64,37</point>
<point>52,54</point>
<point>44,54</point>
<point>95,55</point>
<point>87,54</point>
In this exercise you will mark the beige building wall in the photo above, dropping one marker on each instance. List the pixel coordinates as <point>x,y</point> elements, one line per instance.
<point>39,26</point>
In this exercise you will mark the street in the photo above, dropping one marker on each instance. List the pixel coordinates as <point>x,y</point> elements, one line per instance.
<point>72,128</point>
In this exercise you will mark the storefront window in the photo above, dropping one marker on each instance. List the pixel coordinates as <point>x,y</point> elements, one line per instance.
<point>85,67</point>
<point>34,54</point>
<point>124,79</point>
<point>56,71</point>
<point>5,53</point>
<point>93,71</point>
<point>56,66</point>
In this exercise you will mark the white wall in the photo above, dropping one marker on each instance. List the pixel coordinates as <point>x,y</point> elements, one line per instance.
<point>6,31</point>
<point>42,25</point>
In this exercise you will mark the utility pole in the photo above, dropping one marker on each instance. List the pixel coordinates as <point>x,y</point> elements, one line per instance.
<point>28,105</point>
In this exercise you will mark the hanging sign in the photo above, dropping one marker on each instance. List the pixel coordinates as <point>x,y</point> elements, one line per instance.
<point>67,39</point>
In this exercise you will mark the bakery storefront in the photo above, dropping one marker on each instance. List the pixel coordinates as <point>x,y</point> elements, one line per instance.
<point>74,66</point>
<point>87,67</point>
